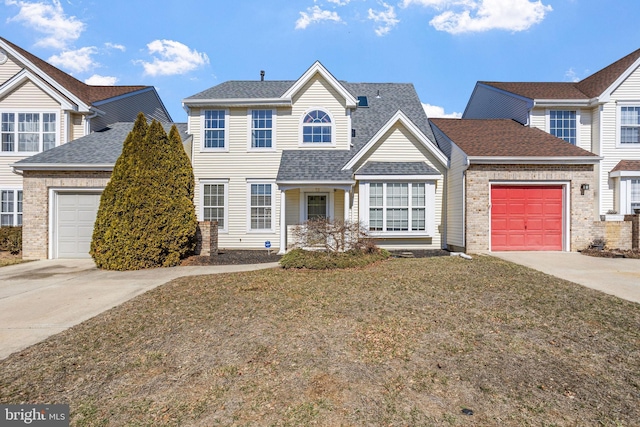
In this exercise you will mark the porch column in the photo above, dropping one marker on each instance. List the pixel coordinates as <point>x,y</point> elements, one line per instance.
<point>283,223</point>
<point>346,205</point>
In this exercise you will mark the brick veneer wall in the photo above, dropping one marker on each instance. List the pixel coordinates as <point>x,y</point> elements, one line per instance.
<point>635,230</point>
<point>478,183</point>
<point>35,205</point>
<point>207,238</point>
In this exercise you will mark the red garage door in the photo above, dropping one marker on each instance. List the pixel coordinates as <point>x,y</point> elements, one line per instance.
<point>526,218</point>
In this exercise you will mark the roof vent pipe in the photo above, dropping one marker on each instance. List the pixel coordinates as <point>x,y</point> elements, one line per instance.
<point>261,75</point>
<point>378,94</point>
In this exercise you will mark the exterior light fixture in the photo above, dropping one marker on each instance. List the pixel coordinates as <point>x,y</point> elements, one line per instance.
<point>583,188</point>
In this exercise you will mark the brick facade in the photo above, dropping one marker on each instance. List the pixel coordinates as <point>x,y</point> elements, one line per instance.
<point>35,220</point>
<point>478,183</point>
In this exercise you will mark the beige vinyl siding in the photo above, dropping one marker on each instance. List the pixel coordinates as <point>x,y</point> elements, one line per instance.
<point>400,145</point>
<point>126,108</point>
<point>30,97</point>
<point>455,198</point>
<point>8,70</point>
<point>584,129</point>
<point>76,124</point>
<point>239,163</point>
<point>595,145</point>
<point>628,91</point>
<point>317,93</point>
<point>538,118</point>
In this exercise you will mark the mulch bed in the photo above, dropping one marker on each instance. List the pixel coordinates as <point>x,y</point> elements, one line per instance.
<point>237,257</point>
<point>612,253</point>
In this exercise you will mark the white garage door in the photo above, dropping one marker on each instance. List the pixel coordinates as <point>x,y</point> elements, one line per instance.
<point>75,215</point>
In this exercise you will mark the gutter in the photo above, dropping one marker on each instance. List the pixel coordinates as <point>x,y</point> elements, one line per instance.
<point>237,102</point>
<point>17,167</point>
<point>575,160</point>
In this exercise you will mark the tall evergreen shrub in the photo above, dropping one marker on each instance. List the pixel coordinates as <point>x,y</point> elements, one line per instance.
<point>146,216</point>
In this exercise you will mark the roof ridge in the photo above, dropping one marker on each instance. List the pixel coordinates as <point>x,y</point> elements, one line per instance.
<point>598,82</point>
<point>87,93</point>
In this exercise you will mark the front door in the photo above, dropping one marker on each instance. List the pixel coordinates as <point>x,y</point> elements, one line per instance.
<point>317,206</point>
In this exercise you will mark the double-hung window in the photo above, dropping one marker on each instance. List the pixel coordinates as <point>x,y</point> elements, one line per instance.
<point>28,132</point>
<point>214,203</point>
<point>563,124</point>
<point>397,207</point>
<point>214,126</point>
<point>261,207</point>
<point>629,125</point>
<point>10,208</point>
<point>262,128</point>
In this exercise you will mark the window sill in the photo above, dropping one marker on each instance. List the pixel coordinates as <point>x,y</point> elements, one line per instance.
<point>261,231</point>
<point>19,153</point>
<point>400,235</point>
<point>261,150</point>
<point>214,150</point>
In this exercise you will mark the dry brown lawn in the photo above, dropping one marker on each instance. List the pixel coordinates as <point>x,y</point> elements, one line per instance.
<point>7,258</point>
<point>405,342</point>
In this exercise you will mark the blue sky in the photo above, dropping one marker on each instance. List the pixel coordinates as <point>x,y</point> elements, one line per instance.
<point>441,46</point>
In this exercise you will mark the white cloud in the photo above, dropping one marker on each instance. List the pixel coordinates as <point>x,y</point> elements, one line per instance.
<point>434,111</point>
<point>465,16</point>
<point>314,15</point>
<point>387,18</point>
<point>49,19</point>
<point>98,80</point>
<point>339,2</point>
<point>75,60</point>
<point>115,46</point>
<point>173,58</point>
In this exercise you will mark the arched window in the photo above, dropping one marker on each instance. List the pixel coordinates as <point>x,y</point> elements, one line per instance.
<point>316,127</point>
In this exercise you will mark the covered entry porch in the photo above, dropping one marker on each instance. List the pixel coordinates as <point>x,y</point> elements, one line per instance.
<point>302,202</point>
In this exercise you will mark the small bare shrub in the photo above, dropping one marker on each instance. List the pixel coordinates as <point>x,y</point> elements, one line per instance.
<point>333,236</point>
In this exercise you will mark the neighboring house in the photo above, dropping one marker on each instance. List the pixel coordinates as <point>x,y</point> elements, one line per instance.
<point>62,188</point>
<point>600,114</point>
<point>511,187</point>
<point>269,155</point>
<point>42,108</point>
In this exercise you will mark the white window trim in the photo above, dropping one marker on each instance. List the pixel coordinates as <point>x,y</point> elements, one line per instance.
<point>430,209</point>
<point>224,149</point>
<point>274,114</point>
<point>619,106</point>
<point>15,204</point>
<point>17,111</point>
<point>225,183</point>
<point>548,121</point>
<point>625,194</point>
<point>316,144</point>
<point>273,207</point>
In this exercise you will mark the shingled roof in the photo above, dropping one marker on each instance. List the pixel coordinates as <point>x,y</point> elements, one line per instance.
<point>98,148</point>
<point>505,138</point>
<point>590,87</point>
<point>86,93</point>
<point>627,165</point>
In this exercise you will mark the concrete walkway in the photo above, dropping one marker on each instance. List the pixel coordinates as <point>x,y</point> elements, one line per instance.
<point>615,276</point>
<point>41,298</point>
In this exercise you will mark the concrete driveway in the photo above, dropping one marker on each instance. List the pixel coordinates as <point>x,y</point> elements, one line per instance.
<point>41,298</point>
<point>615,276</point>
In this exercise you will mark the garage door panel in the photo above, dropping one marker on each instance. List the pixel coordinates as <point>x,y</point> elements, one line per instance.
<point>527,217</point>
<point>75,216</point>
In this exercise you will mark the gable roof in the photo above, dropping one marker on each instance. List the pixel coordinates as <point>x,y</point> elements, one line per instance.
<point>306,166</point>
<point>505,138</point>
<point>590,87</point>
<point>86,93</point>
<point>96,151</point>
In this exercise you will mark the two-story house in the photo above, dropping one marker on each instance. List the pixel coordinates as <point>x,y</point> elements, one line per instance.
<point>42,107</point>
<point>268,155</point>
<point>600,113</point>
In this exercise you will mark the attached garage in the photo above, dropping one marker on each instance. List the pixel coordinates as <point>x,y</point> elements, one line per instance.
<point>75,214</point>
<point>527,217</point>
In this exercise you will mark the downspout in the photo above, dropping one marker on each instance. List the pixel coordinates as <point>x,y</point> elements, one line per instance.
<point>87,121</point>
<point>464,203</point>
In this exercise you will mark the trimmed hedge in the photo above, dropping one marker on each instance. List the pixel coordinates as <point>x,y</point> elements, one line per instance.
<point>11,239</point>
<point>317,260</point>
<point>146,216</point>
